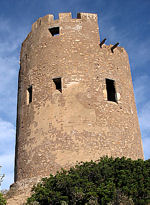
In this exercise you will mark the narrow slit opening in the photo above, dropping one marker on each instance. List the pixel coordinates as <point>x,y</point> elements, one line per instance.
<point>111,90</point>
<point>58,84</point>
<point>29,95</point>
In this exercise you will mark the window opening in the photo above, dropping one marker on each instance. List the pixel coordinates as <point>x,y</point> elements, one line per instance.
<point>54,31</point>
<point>29,95</point>
<point>58,85</point>
<point>111,91</point>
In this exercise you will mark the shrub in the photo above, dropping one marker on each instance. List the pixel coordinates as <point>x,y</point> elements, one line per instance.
<point>101,182</point>
<point>2,199</point>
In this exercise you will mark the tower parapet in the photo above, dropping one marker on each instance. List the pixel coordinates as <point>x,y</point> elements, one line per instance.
<point>49,19</point>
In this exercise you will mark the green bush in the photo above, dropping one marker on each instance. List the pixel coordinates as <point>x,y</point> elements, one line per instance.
<point>2,199</point>
<point>101,182</point>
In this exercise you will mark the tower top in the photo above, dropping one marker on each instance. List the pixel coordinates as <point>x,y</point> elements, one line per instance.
<point>49,19</point>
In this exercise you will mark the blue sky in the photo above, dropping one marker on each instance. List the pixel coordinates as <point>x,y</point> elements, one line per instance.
<point>123,21</point>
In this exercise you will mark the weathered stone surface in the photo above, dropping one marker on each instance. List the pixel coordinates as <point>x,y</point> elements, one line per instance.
<point>57,129</point>
<point>20,191</point>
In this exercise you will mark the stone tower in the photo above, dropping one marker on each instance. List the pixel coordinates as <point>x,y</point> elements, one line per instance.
<point>75,98</point>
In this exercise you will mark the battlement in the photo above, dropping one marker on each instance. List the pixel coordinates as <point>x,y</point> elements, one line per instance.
<point>49,19</point>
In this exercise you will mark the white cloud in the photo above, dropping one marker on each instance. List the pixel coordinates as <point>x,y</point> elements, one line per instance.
<point>7,131</point>
<point>7,163</point>
<point>144,117</point>
<point>141,89</point>
<point>8,87</point>
<point>10,38</point>
<point>10,41</point>
<point>143,104</point>
<point>4,24</point>
<point>7,139</point>
<point>139,52</point>
<point>146,147</point>
<point>8,46</point>
<point>9,71</point>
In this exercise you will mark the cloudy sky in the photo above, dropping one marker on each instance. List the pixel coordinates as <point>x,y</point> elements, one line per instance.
<point>123,21</point>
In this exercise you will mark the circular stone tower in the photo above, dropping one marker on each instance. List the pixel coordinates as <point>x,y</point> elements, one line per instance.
<point>75,98</point>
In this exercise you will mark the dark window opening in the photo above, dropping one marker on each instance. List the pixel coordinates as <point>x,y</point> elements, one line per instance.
<point>111,91</point>
<point>57,82</point>
<point>29,95</point>
<point>54,31</point>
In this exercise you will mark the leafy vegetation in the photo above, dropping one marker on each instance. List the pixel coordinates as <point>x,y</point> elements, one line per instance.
<point>2,199</point>
<point>106,181</point>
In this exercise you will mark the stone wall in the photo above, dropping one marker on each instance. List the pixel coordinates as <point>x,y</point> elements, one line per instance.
<point>78,122</point>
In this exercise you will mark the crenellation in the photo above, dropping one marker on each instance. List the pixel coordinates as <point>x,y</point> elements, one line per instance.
<point>65,16</point>
<point>34,26</point>
<point>87,16</point>
<point>48,19</point>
